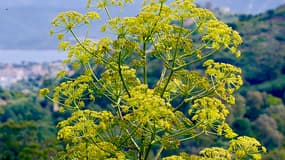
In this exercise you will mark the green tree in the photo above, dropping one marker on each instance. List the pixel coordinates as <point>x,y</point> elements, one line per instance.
<point>267,130</point>
<point>143,120</point>
<point>26,131</point>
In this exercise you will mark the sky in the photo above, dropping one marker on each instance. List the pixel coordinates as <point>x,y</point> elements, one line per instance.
<point>245,6</point>
<point>25,24</point>
<point>238,6</point>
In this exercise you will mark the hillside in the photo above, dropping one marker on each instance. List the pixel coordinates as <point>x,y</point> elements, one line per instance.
<point>259,110</point>
<point>263,58</point>
<point>244,7</point>
<point>28,123</point>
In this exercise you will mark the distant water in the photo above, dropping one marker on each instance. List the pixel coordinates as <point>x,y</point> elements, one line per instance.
<point>18,56</point>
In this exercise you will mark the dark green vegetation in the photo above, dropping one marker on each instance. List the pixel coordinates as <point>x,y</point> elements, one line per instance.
<point>28,124</point>
<point>260,110</point>
<point>27,127</point>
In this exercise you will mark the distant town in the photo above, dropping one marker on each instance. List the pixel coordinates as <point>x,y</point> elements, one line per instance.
<point>12,73</point>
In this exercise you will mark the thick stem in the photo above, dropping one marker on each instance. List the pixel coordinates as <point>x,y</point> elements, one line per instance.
<point>142,148</point>
<point>149,146</point>
<point>146,39</point>
<point>167,82</point>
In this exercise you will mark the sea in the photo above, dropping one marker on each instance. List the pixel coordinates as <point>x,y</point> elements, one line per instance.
<point>16,56</point>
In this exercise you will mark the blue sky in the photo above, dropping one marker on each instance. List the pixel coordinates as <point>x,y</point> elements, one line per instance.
<point>249,6</point>
<point>25,24</point>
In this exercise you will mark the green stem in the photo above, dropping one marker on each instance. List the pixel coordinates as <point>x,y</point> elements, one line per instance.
<point>195,30</point>
<point>179,106</point>
<point>142,148</point>
<point>97,80</point>
<point>107,12</point>
<point>195,61</point>
<point>202,94</point>
<point>149,146</point>
<point>79,42</point>
<point>173,62</point>
<point>122,118</point>
<point>130,135</point>
<point>86,49</point>
<point>158,153</point>
<point>188,138</point>
<point>167,82</point>
<point>146,39</point>
<point>145,63</point>
<point>181,132</point>
<point>121,76</point>
<point>100,147</point>
<point>57,102</point>
<point>199,48</point>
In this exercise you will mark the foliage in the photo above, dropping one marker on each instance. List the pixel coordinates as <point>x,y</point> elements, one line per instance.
<point>266,127</point>
<point>26,131</point>
<point>263,49</point>
<point>275,154</point>
<point>143,119</point>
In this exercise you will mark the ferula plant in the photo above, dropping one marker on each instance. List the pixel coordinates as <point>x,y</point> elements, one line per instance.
<point>144,115</point>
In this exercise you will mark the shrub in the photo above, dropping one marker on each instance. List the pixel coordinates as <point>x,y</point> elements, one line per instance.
<point>143,120</point>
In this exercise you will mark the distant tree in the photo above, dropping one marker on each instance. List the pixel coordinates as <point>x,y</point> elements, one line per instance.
<point>266,130</point>
<point>245,17</point>
<point>238,110</point>
<point>278,113</point>
<point>243,127</point>
<point>143,120</point>
<point>275,154</point>
<point>26,132</point>
<point>256,102</point>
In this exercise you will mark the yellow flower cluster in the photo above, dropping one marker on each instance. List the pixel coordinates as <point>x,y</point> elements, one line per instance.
<point>147,108</point>
<point>246,148</point>
<point>210,114</point>
<point>188,84</point>
<point>185,9</point>
<point>44,92</point>
<point>243,148</point>
<point>71,129</point>
<point>225,78</point>
<point>185,156</point>
<point>86,52</point>
<point>70,94</point>
<point>174,157</point>
<point>222,36</point>
<point>193,83</point>
<point>110,80</point>
<point>83,133</point>
<point>76,52</point>
<point>215,153</point>
<point>170,46</point>
<point>208,109</point>
<point>70,19</point>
